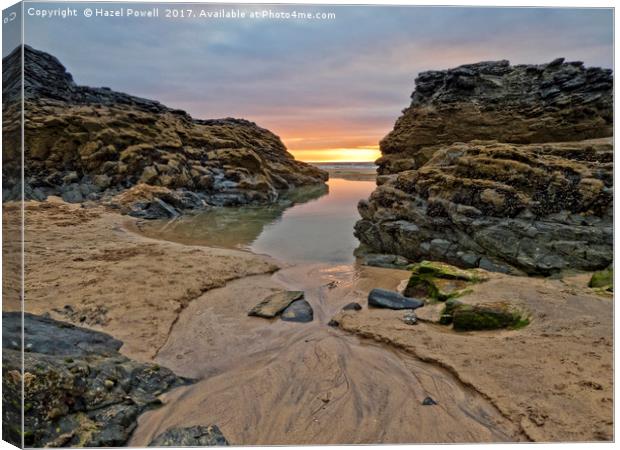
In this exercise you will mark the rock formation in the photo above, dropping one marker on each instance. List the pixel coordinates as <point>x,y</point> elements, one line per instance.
<point>508,168</point>
<point>90,143</point>
<point>196,436</point>
<point>79,391</point>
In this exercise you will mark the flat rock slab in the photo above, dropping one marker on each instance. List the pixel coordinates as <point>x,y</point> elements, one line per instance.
<point>382,298</point>
<point>198,436</point>
<point>298,311</point>
<point>275,304</point>
<point>50,337</point>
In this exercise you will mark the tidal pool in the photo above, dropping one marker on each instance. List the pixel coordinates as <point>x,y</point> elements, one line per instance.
<point>311,224</point>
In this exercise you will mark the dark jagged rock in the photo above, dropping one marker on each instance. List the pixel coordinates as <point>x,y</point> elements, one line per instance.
<point>198,436</point>
<point>382,298</point>
<point>507,168</point>
<point>97,140</point>
<point>79,391</point>
<point>386,261</point>
<point>298,311</point>
<point>493,100</point>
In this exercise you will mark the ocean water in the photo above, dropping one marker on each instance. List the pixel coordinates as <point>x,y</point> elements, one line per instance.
<point>345,165</point>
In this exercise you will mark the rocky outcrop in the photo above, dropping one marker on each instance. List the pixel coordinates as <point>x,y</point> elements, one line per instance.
<point>508,168</point>
<point>89,143</point>
<point>79,390</point>
<point>197,436</point>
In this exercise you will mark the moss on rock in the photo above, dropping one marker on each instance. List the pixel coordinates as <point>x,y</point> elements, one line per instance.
<point>448,311</point>
<point>490,316</point>
<point>603,280</point>
<point>439,281</point>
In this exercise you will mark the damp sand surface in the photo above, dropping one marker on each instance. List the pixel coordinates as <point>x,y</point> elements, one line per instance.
<point>275,382</point>
<point>181,299</point>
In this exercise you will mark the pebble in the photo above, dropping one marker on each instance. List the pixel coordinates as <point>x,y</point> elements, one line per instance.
<point>429,402</point>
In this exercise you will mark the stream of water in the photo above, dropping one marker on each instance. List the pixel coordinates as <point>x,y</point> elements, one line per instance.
<point>275,382</point>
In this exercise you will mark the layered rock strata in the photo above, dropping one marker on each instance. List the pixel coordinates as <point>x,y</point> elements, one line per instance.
<point>87,143</point>
<point>508,168</point>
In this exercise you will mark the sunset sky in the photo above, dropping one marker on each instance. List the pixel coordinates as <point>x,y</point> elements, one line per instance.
<point>330,89</point>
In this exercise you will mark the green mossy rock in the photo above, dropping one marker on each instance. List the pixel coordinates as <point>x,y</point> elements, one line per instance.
<point>448,311</point>
<point>490,316</point>
<point>439,281</point>
<point>603,280</point>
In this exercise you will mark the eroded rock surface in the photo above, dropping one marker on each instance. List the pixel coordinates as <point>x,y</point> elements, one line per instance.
<point>198,436</point>
<point>80,391</point>
<point>86,143</point>
<point>507,168</point>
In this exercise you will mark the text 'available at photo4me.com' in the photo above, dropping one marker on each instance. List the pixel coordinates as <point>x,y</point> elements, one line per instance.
<point>260,12</point>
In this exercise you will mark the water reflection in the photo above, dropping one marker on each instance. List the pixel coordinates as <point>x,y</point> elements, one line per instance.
<point>311,225</point>
<point>229,227</point>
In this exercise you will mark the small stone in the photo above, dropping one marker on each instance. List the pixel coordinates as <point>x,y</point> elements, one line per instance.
<point>352,307</point>
<point>298,311</point>
<point>109,384</point>
<point>410,318</point>
<point>382,298</point>
<point>428,401</point>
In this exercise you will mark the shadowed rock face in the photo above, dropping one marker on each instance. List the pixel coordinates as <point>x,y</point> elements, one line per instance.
<point>496,101</point>
<point>88,143</point>
<point>79,391</point>
<point>503,167</point>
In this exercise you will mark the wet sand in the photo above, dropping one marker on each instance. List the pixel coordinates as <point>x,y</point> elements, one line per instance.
<point>272,382</point>
<point>553,378</point>
<point>84,266</point>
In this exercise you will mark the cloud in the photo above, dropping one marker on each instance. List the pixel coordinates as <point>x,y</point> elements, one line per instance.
<point>334,83</point>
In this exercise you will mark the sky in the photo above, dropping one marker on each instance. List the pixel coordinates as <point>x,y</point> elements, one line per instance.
<point>331,89</point>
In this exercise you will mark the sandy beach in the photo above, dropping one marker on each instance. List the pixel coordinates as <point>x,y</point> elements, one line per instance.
<point>84,266</point>
<point>273,382</point>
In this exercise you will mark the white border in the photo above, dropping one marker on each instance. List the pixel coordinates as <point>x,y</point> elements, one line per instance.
<point>482,3</point>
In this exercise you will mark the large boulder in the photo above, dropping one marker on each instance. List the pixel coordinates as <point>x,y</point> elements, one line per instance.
<point>507,168</point>
<point>120,140</point>
<point>483,316</point>
<point>79,390</point>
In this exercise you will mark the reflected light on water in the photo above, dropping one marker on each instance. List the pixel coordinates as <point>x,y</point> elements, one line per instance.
<point>312,224</point>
